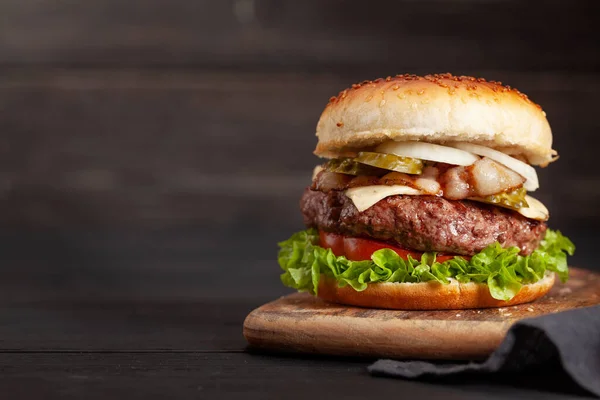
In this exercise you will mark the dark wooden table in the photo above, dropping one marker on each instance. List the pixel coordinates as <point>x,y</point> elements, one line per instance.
<point>155,314</point>
<point>151,113</point>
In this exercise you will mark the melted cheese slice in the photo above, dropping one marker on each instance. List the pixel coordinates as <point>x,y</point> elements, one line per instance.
<point>536,209</point>
<point>365,197</point>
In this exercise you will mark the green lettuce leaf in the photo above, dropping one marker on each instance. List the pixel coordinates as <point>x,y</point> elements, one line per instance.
<point>502,269</point>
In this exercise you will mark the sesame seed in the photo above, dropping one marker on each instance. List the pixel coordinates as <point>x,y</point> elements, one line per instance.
<point>444,80</point>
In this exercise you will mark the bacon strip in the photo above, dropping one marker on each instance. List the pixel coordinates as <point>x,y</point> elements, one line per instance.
<point>484,178</point>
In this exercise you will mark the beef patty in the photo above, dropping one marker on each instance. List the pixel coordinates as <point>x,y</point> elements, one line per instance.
<point>424,223</point>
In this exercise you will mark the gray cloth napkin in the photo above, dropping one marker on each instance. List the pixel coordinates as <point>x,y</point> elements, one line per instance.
<point>564,343</point>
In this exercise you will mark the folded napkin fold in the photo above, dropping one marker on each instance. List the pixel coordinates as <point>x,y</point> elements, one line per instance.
<point>569,339</point>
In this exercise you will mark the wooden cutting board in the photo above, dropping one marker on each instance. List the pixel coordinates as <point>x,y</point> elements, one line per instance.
<point>302,323</point>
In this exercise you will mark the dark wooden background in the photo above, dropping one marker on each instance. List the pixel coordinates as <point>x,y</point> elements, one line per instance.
<point>182,131</point>
<point>202,113</point>
<point>186,128</point>
<point>153,152</point>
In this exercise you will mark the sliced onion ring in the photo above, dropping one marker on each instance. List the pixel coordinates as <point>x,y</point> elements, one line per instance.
<point>521,168</point>
<point>428,151</point>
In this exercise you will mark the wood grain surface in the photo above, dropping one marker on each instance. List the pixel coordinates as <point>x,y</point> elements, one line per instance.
<point>301,35</point>
<point>157,114</point>
<point>149,148</point>
<point>141,315</point>
<point>302,323</point>
<point>219,150</point>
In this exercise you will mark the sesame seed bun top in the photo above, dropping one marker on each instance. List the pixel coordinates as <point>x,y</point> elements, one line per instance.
<point>437,109</point>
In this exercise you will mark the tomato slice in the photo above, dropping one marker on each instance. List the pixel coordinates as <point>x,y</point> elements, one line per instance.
<point>358,249</point>
<point>332,241</point>
<point>441,257</point>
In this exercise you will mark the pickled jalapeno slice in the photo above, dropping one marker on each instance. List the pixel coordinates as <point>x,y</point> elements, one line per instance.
<point>391,162</point>
<point>513,199</point>
<point>350,166</point>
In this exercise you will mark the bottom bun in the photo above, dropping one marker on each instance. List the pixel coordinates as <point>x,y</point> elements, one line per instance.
<point>428,295</point>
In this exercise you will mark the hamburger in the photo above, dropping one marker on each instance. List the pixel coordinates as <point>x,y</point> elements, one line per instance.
<point>423,199</point>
